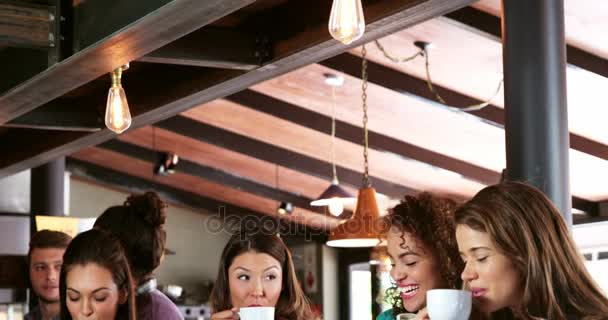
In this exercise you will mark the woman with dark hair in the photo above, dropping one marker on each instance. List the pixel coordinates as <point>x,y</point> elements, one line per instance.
<point>256,269</point>
<point>520,259</point>
<point>423,251</point>
<point>139,225</point>
<point>95,281</point>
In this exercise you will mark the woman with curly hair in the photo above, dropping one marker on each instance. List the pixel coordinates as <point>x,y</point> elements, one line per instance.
<point>423,251</point>
<point>256,270</point>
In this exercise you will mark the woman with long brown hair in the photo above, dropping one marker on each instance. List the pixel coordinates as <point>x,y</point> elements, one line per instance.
<point>521,261</point>
<point>423,251</point>
<point>95,281</point>
<point>256,270</point>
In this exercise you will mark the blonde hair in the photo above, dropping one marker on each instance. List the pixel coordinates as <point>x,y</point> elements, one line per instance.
<point>526,227</point>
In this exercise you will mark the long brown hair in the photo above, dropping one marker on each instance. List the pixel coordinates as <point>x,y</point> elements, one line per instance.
<point>526,227</point>
<point>101,248</point>
<point>292,304</point>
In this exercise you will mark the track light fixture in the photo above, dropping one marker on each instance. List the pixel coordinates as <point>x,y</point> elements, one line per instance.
<point>165,164</point>
<point>285,208</point>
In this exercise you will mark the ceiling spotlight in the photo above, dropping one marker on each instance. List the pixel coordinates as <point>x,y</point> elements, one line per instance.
<point>285,208</point>
<point>165,163</point>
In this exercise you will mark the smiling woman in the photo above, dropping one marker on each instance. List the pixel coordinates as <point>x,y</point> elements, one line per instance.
<point>422,249</point>
<point>96,282</point>
<point>256,270</point>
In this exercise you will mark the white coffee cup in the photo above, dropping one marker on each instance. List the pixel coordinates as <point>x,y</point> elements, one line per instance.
<point>406,316</point>
<point>256,313</point>
<point>448,304</point>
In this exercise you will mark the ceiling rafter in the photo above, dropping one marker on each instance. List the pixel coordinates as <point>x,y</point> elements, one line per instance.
<point>213,175</point>
<point>155,101</point>
<point>133,184</point>
<point>491,24</point>
<point>274,154</point>
<point>310,119</point>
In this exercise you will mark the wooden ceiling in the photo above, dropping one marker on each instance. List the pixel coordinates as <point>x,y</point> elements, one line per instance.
<point>237,90</point>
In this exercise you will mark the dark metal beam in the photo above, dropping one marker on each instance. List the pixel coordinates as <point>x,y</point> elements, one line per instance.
<point>60,116</point>
<point>47,189</point>
<point>219,209</point>
<point>213,175</point>
<point>271,153</point>
<point>401,82</point>
<point>110,36</point>
<point>26,25</point>
<point>153,101</point>
<point>491,24</point>
<point>352,133</point>
<point>215,48</point>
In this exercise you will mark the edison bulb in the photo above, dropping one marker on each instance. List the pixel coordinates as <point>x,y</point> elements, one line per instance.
<point>336,207</point>
<point>118,116</point>
<point>346,21</point>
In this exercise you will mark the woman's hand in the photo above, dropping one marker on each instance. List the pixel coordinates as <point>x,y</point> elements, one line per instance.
<point>422,315</point>
<point>231,314</point>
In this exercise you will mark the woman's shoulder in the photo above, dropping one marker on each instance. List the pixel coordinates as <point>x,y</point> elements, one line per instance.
<point>386,315</point>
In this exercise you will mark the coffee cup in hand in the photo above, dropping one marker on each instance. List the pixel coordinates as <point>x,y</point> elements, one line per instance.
<point>256,313</point>
<point>448,304</point>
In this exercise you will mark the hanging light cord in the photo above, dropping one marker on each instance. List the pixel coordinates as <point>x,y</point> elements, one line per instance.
<point>366,181</point>
<point>425,53</point>
<point>333,135</point>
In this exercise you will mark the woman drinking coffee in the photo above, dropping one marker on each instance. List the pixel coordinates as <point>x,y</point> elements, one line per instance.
<point>521,261</point>
<point>256,270</point>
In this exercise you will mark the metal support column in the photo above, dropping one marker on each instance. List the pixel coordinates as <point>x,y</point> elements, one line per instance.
<point>47,188</point>
<point>536,119</point>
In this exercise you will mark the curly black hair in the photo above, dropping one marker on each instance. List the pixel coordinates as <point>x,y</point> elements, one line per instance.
<point>430,219</point>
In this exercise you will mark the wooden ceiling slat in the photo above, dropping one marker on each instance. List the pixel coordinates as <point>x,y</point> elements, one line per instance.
<point>352,133</point>
<point>93,173</point>
<point>221,196</point>
<point>304,141</point>
<point>491,24</point>
<point>402,82</point>
<point>267,152</point>
<point>163,98</point>
<point>213,175</point>
<point>239,164</point>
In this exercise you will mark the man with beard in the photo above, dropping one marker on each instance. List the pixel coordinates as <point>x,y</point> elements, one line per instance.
<point>45,258</point>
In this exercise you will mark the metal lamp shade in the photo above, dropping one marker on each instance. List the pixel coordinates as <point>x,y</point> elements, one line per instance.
<point>365,226</point>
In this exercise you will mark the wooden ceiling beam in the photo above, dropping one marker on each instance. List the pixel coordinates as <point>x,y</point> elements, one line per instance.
<point>133,184</point>
<point>491,24</point>
<point>213,175</point>
<point>354,134</point>
<point>157,100</point>
<point>108,37</point>
<point>401,82</point>
<point>60,116</point>
<point>214,48</point>
<point>274,154</point>
<point>26,25</point>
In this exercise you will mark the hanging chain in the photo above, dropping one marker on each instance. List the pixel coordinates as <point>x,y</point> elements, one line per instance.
<point>429,82</point>
<point>366,180</point>
<point>397,59</point>
<point>333,135</point>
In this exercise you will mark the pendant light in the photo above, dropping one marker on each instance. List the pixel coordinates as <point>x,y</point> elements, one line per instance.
<point>363,229</point>
<point>334,197</point>
<point>118,116</point>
